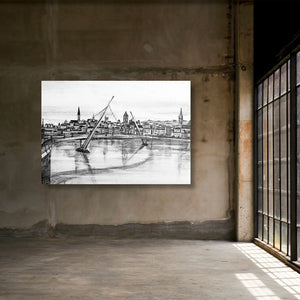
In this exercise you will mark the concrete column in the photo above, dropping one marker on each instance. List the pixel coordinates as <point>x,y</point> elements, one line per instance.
<point>244,113</point>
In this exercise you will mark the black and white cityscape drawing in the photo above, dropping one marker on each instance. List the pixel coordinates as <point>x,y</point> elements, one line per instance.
<point>116,132</point>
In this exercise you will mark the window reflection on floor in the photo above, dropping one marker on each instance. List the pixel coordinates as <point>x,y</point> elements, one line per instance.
<point>256,287</point>
<point>275,269</point>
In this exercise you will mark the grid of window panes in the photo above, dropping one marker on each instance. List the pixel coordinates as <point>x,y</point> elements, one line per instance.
<point>273,159</point>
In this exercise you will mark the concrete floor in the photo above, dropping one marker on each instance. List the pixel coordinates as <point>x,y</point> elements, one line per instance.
<point>93,268</point>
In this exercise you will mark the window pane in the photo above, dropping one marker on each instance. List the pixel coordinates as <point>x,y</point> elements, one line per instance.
<point>298,162</point>
<point>259,96</point>
<point>265,229</point>
<point>271,231</point>
<point>288,75</point>
<point>260,226</point>
<point>270,145</point>
<point>271,88</point>
<point>289,239</point>
<point>265,160</point>
<point>276,84</point>
<point>283,157</point>
<point>289,154</point>
<point>298,240</point>
<point>276,161</point>
<point>259,160</point>
<point>277,235</point>
<point>298,68</point>
<point>298,157</point>
<point>283,79</point>
<point>265,92</point>
<point>284,237</point>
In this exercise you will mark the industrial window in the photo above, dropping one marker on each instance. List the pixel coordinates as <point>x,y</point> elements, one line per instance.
<point>277,166</point>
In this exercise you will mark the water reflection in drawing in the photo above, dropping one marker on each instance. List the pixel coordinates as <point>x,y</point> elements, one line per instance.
<point>122,161</point>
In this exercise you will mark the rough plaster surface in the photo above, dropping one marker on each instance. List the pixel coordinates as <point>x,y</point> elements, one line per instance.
<point>244,31</point>
<point>189,40</point>
<point>128,34</point>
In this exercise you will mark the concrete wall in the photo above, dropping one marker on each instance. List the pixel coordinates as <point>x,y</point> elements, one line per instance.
<point>244,112</point>
<point>132,40</point>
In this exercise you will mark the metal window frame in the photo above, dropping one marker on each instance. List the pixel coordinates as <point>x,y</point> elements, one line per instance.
<point>291,158</point>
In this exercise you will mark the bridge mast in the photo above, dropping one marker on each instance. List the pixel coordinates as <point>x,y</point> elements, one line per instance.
<point>144,141</point>
<point>83,147</point>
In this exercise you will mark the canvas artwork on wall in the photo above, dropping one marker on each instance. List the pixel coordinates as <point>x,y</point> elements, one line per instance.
<point>116,132</point>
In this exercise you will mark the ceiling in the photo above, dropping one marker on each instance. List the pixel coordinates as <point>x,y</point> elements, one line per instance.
<point>276,32</point>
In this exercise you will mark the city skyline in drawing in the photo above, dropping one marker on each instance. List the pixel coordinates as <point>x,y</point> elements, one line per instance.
<point>148,100</point>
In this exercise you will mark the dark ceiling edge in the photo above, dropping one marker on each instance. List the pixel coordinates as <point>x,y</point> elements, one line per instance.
<point>112,1</point>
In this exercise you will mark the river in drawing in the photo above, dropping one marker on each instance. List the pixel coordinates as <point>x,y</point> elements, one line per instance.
<point>122,161</point>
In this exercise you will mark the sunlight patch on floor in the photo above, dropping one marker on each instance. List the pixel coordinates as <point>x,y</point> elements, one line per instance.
<point>275,269</point>
<point>256,287</point>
